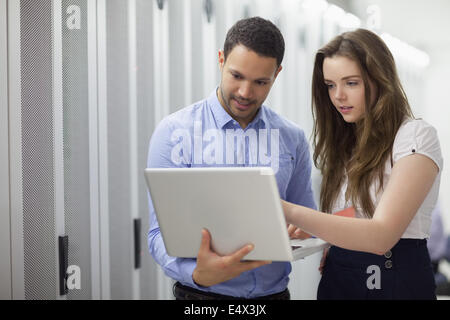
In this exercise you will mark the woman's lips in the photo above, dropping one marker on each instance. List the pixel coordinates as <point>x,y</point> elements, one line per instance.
<point>345,109</point>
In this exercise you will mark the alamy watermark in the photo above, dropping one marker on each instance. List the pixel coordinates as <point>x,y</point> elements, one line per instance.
<point>226,147</point>
<point>374,280</point>
<point>73,277</point>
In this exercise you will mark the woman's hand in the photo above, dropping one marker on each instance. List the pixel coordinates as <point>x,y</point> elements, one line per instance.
<point>296,233</point>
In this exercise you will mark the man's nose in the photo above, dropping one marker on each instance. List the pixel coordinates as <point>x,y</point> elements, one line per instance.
<point>245,90</point>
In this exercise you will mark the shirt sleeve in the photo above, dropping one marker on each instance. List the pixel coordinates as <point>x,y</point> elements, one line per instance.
<point>417,136</point>
<point>299,190</point>
<point>160,156</point>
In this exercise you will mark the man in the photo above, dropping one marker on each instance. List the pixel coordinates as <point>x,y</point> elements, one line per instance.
<point>204,134</point>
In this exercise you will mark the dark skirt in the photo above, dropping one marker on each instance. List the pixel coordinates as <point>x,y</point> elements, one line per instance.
<point>404,272</point>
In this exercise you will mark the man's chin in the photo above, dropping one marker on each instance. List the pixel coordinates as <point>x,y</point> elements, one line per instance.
<point>244,115</point>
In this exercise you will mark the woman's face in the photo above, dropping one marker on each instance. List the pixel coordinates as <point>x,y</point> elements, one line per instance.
<point>345,85</point>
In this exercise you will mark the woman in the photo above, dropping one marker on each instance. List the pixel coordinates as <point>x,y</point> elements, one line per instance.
<point>376,158</point>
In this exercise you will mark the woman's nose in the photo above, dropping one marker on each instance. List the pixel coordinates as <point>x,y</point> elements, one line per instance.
<point>339,93</point>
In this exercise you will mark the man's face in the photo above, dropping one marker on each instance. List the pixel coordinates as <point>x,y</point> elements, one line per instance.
<point>246,81</point>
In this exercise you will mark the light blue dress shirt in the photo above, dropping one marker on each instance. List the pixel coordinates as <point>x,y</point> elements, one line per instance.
<point>204,134</point>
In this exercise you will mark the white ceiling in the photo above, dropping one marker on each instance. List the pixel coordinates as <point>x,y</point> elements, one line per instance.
<point>424,24</point>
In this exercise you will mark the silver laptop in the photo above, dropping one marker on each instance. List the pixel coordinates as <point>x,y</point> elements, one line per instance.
<point>238,205</point>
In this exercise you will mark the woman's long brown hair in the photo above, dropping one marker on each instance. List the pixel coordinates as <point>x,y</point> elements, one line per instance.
<point>361,149</point>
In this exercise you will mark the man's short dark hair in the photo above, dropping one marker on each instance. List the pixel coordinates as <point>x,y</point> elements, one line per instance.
<point>257,34</point>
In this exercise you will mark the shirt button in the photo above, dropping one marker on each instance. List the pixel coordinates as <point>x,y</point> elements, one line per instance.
<point>388,254</point>
<point>388,264</point>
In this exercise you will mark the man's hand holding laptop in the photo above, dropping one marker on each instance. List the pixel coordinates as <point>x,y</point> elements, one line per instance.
<point>212,269</point>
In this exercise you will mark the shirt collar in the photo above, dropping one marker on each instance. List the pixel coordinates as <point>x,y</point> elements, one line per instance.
<point>222,117</point>
<point>260,118</point>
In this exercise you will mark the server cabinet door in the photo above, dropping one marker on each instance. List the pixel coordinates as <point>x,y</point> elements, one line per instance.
<point>32,180</point>
<point>130,101</point>
<point>52,179</point>
<point>118,153</point>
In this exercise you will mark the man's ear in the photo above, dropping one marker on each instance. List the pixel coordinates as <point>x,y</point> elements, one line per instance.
<point>277,72</point>
<point>221,59</point>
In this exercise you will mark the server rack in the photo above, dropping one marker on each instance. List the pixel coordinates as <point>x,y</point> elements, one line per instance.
<point>79,115</point>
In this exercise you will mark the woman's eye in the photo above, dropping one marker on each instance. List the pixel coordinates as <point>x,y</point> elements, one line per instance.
<point>329,85</point>
<point>352,83</point>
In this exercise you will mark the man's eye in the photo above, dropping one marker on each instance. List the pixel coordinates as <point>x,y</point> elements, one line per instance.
<point>236,76</point>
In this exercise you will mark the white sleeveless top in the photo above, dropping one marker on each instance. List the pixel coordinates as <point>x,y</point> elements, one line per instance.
<point>414,136</point>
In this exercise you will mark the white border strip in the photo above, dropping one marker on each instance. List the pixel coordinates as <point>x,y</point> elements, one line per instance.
<point>93,149</point>
<point>103,149</point>
<point>187,44</point>
<point>15,151</point>
<point>161,60</point>
<point>133,147</point>
<point>209,51</point>
<point>161,102</point>
<point>5,218</point>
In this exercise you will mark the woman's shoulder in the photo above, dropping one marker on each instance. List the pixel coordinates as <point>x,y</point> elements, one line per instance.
<point>415,130</point>
<point>411,126</point>
<point>417,136</point>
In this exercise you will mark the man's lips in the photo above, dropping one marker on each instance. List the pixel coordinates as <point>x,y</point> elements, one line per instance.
<point>243,105</point>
